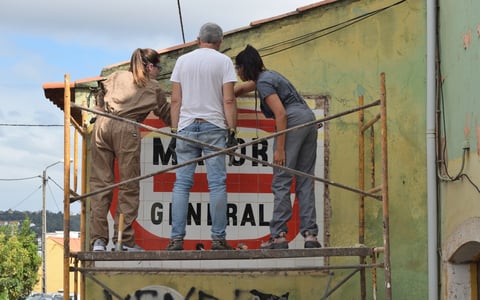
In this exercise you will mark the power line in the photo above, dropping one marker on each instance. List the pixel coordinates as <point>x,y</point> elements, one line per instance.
<point>19,179</point>
<point>33,192</point>
<point>52,194</point>
<point>30,125</point>
<point>59,186</point>
<point>305,38</point>
<point>18,204</point>
<point>181,20</point>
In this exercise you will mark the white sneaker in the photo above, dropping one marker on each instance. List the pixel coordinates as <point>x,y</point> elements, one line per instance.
<point>99,245</point>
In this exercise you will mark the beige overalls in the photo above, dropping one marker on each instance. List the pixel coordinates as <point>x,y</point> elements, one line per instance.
<point>116,140</point>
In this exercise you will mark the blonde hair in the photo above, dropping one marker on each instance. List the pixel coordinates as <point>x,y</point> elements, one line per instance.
<point>139,62</point>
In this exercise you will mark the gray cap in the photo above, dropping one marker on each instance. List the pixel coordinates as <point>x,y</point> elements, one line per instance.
<point>210,33</point>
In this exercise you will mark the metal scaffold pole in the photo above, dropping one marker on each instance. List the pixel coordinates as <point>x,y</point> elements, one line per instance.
<point>83,259</point>
<point>386,218</point>
<point>66,192</point>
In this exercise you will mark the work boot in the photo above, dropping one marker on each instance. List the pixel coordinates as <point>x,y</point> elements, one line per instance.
<point>175,244</point>
<point>220,244</point>
<point>134,248</point>
<point>279,242</point>
<point>311,240</point>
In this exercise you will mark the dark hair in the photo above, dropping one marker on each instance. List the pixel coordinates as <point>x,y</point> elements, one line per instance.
<point>252,63</point>
<point>139,62</point>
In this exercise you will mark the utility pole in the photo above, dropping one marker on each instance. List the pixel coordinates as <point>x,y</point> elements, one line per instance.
<point>44,226</point>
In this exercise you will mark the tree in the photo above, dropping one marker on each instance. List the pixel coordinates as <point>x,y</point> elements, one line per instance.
<point>19,261</point>
<point>55,220</point>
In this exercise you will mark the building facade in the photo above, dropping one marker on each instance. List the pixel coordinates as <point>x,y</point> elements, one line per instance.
<point>334,52</point>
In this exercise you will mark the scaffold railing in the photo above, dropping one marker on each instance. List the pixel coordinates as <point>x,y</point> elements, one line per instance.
<point>375,191</point>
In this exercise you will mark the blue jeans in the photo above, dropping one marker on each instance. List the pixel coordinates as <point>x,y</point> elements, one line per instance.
<point>216,176</point>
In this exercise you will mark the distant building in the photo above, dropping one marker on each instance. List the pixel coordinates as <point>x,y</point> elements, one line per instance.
<point>54,261</point>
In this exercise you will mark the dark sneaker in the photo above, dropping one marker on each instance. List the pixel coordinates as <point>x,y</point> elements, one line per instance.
<point>135,248</point>
<point>311,241</point>
<point>220,244</point>
<point>99,245</point>
<point>175,245</point>
<point>279,242</point>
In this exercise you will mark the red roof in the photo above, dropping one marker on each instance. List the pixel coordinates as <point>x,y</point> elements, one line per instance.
<point>75,245</point>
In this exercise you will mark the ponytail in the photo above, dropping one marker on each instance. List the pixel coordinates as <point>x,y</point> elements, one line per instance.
<point>141,58</point>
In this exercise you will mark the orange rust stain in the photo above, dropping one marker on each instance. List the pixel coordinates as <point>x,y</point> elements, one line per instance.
<point>466,130</point>
<point>478,137</point>
<point>466,39</point>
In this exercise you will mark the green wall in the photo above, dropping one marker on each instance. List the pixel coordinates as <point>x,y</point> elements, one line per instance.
<point>339,49</point>
<point>459,64</point>
<point>345,63</point>
<point>459,112</point>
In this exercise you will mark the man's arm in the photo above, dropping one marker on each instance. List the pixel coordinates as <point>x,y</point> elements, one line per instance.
<point>229,105</point>
<point>176,103</point>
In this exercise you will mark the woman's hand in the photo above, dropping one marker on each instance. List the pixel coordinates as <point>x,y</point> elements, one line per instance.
<point>279,156</point>
<point>275,104</point>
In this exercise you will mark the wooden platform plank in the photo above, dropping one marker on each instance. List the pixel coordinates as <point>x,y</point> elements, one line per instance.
<point>221,254</point>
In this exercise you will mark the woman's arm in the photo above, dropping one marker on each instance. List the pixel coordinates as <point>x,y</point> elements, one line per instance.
<point>244,88</point>
<point>163,107</point>
<point>276,105</point>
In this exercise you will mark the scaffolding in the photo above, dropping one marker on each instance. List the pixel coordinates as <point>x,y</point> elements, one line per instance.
<point>82,261</point>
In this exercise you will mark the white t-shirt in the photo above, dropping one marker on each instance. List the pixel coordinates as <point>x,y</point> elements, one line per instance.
<point>201,75</point>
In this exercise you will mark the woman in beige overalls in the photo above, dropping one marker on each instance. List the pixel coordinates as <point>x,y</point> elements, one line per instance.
<point>132,95</point>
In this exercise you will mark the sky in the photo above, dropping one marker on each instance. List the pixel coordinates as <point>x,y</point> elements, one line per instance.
<point>41,41</point>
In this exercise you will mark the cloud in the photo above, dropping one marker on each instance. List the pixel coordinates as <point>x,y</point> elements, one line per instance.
<point>126,24</point>
<point>41,41</point>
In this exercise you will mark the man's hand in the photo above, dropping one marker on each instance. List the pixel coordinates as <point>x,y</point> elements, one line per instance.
<point>172,146</point>
<point>231,142</point>
<point>231,139</point>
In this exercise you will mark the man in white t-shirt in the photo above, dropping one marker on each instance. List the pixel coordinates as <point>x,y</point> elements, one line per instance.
<point>203,108</point>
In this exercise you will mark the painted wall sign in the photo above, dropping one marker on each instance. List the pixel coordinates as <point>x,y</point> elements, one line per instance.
<point>250,201</point>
